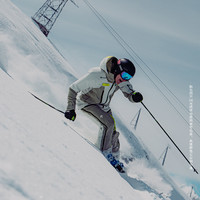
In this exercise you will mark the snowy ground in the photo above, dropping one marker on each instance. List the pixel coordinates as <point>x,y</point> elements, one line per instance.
<point>41,156</point>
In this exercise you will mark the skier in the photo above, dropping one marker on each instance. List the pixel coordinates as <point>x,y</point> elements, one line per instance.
<point>95,91</point>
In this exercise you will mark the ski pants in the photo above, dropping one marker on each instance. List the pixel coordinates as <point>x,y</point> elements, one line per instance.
<point>110,135</point>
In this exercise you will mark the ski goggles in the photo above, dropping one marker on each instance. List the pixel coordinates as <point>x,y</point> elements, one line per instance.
<point>126,76</point>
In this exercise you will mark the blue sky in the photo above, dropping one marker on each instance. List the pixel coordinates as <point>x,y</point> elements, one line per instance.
<point>165,34</point>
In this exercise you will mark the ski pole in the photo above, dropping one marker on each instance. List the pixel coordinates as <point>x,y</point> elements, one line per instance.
<point>170,138</point>
<point>46,103</point>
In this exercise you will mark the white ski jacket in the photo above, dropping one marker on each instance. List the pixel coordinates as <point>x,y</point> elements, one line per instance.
<point>97,87</point>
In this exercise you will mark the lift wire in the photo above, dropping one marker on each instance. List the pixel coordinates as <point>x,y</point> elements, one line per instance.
<point>118,38</point>
<point>100,17</point>
<point>107,25</point>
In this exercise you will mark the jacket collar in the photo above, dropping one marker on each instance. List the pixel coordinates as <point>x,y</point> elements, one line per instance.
<point>103,65</point>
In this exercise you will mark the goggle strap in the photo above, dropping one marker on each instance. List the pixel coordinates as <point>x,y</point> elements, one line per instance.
<point>119,64</point>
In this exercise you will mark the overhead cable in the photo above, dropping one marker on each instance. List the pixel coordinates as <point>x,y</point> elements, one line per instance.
<point>124,45</point>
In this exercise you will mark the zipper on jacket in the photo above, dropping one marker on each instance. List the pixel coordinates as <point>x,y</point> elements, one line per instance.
<point>107,95</point>
<point>101,97</point>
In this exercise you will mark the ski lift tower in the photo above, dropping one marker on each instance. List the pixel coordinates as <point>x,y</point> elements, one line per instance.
<point>47,15</point>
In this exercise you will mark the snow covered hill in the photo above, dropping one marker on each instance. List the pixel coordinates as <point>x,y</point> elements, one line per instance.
<point>42,158</point>
<point>41,154</point>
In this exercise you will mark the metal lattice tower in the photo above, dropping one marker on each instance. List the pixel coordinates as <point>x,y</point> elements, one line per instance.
<point>47,15</point>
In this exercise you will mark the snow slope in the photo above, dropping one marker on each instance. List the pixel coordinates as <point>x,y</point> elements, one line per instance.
<point>41,156</point>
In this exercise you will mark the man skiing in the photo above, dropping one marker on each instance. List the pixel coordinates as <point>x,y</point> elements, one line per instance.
<point>95,91</point>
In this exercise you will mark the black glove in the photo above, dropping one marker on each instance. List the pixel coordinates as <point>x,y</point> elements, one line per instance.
<point>70,114</point>
<point>137,97</point>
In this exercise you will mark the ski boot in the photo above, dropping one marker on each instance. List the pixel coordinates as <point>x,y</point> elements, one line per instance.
<point>119,166</point>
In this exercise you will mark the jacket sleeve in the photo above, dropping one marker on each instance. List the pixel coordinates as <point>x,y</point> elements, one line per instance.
<point>127,90</point>
<point>84,85</point>
<point>71,105</point>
